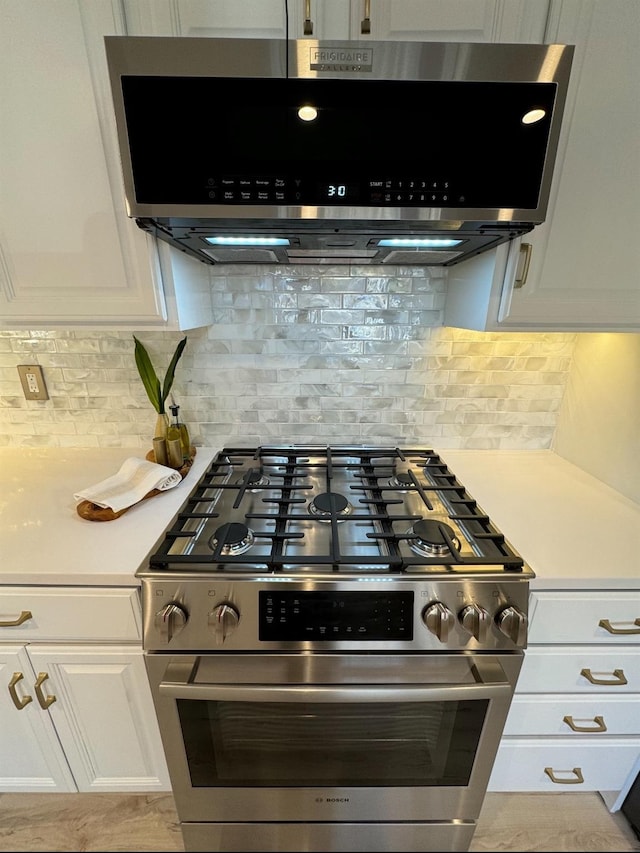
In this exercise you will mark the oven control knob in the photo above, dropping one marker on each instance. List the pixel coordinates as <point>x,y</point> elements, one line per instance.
<point>513,624</point>
<point>223,621</point>
<point>475,619</point>
<point>438,620</point>
<point>171,620</point>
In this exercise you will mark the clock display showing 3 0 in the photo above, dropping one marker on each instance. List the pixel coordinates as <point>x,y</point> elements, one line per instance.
<point>338,192</point>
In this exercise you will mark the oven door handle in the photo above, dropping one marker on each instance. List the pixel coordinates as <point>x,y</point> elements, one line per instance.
<point>333,693</point>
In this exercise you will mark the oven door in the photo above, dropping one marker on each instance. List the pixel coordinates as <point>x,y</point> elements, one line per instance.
<point>331,737</point>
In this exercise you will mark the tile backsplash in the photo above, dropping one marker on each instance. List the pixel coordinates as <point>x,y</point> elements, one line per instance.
<point>298,355</point>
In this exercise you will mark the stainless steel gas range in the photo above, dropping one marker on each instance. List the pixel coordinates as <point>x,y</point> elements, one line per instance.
<point>332,635</point>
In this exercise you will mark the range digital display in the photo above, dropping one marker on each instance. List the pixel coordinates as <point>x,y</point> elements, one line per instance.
<point>296,616</point>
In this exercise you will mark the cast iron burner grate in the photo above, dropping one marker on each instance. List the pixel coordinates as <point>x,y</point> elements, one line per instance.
<point>390,492</point>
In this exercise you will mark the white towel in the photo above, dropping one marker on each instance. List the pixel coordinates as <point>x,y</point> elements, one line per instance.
<point>135,479</point>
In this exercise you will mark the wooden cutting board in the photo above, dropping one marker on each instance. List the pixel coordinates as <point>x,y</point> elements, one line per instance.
<point>93,512</point>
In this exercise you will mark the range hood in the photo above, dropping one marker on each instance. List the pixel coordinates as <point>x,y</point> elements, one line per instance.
<point>311,152</point>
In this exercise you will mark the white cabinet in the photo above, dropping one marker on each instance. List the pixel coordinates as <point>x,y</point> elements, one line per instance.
<point>207,18</point>
<point>76,712</point>
<point>69,255</point>
<point>456,20</point>
<point>573,723</point>
<point>399,20</point>
<point>584,262</point>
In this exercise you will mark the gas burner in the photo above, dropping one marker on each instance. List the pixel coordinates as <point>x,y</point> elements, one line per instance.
<point>237,539</point>
<point>254,480</point>
<point>429,541</point>
<point>322,505</point>
<point>402,482</point>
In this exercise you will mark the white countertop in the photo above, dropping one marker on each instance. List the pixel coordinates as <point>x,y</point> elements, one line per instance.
<point>572,530</point>
<point>43,540</point>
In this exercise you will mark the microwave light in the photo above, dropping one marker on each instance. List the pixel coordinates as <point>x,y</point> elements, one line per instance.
<point>307,113</point>
<point>533,116</point>
<point>419,242</point>
<point>248,241</point>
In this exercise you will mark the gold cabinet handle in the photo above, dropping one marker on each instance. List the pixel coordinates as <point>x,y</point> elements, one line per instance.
<point>26,614</point>
<point>556,780</point>
<point>17,701</point>
<point>604,623</point>
<point>44,701</point>
<point>617,680</point>
<point>308,23</point>
<point>599,725</point>
<point>525,253</point>
<point>365,26</point>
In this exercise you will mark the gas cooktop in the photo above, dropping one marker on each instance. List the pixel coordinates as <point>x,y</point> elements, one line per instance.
<point>304,510</point>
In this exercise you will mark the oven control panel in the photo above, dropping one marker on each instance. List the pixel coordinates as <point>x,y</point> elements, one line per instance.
<point>220,614</point>
<point>331,615</point>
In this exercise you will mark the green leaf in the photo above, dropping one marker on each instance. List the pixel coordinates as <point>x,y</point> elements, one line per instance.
<point>168,379</point>
<point>148,375</point>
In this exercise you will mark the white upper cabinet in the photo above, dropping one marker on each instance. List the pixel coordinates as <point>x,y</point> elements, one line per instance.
<point>400,20</point>
<point>207,18</point>
<point>69,255</point>
<point>584,269</point>
<point>446,20</point>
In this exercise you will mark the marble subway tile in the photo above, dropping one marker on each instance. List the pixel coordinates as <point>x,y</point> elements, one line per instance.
<point>327,353</point>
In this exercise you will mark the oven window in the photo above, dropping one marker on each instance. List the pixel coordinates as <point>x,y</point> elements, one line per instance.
<point>262,744</point>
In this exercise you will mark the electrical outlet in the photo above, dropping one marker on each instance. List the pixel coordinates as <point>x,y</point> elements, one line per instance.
<point>33,383</point>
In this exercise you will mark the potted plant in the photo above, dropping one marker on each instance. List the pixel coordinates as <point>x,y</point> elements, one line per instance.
<point>157,391</point>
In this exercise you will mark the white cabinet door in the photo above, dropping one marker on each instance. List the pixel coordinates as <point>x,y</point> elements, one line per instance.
<point>69,254</point>
<point>31,758</point>
<point>207,18</point>
<point>449,20</point>
<point>90,724</point>
<point>103,715</point>
<point>585,258</point>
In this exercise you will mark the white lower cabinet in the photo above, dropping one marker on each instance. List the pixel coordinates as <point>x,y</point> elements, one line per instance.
<point>582,765</point>
<point>75,716</point>
<point>574,723</point>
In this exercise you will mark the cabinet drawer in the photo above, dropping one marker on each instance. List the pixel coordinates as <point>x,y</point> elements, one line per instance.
<point>565,669</point>
<point>106,614</point>
<point>576,617</point>
<point>603,764</point>
<point>604,716</point>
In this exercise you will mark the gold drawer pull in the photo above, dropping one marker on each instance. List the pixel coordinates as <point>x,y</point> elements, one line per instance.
<point>576,772</point>
<point>604,623</point>
<point>365,25</point>
<point>44,701</point>
<point>26,614</point>
<point>599,725</point>
<point>525,257</point>
<point>617,680</point>
<point>308,23</point>
<point>17,701</point>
